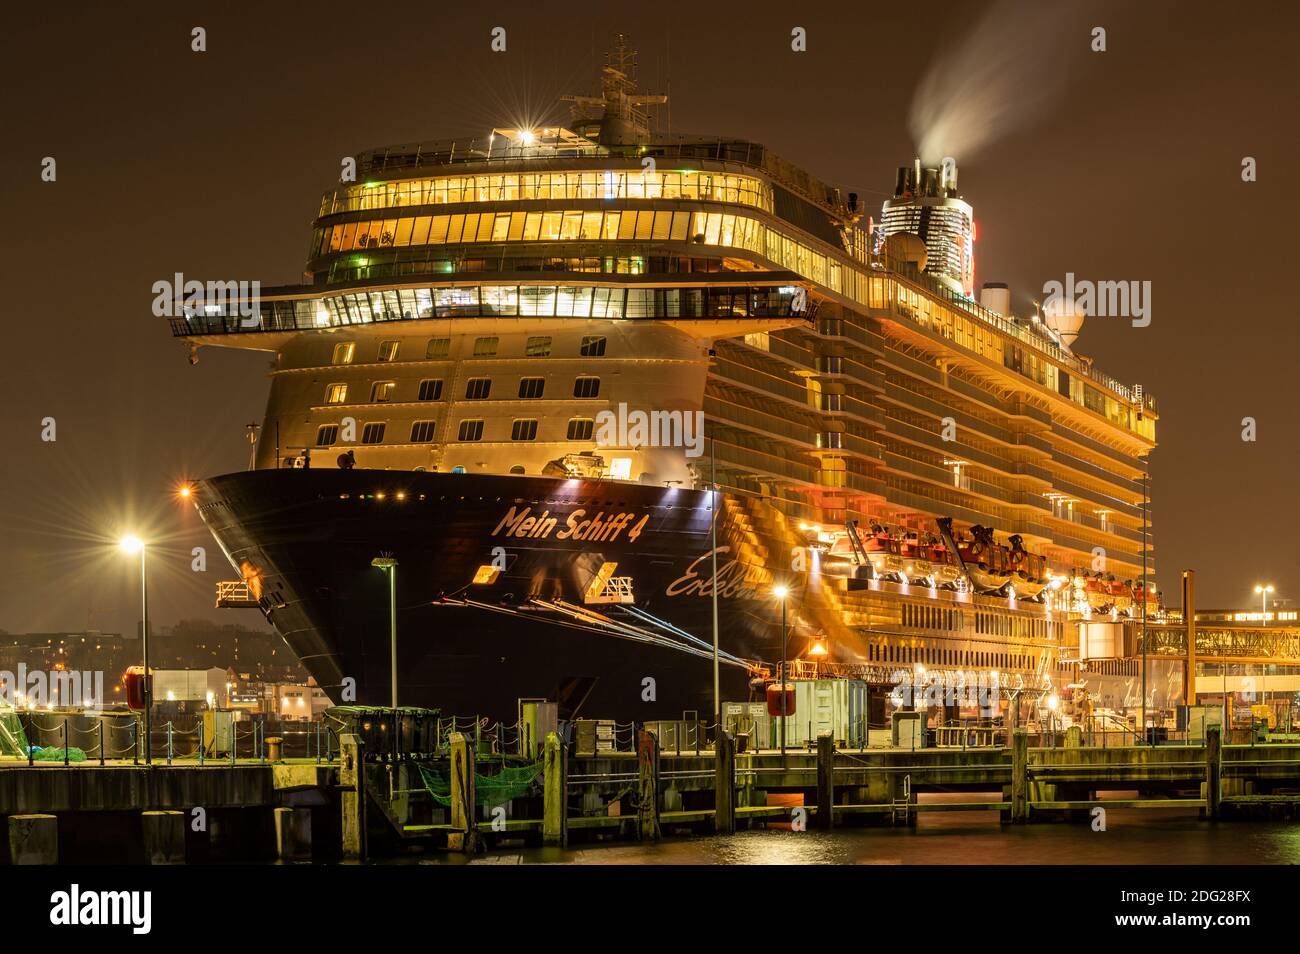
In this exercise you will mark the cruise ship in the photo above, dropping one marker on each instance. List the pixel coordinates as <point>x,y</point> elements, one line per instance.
<point>591,396</point>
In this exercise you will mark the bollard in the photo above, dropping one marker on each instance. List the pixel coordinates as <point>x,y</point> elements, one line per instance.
<point>293,833</point>
<point>352,785</point>
<point>1213,771</point>
<point>164,837</point>
<point>33,839</point>
<point>464,834</point>
<point>1019,776</point>
<point>274,747</point>
<point>825,781</point>
<point>555,793</point>
<point>724,783</point>
<point>647,751</point>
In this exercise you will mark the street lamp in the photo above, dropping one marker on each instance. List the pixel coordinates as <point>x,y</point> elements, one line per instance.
<point>1263,590</point>
<point>389,566</point>
<point>781,592</point>
<point>133,544</point>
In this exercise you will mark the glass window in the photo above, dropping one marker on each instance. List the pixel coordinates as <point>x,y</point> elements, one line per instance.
<point>438,348</point>
<point>532,387</point>
<point>336,394</point>
<point>538,347</point>
<point>343,352</point>
<point>550,226</point>
<point>470,430</point>
<point>485,347</point>
<point>422,431</point>
<point>388,350</point>
<point>404,227</point>
<point>500,299</point>
<point>327,434</point>
<point>373,432</point>
<point>431,389</point>
<point>477,389</point>
<point>420,233</point>
<point>586,387</point>
<point>537,300</point>
<point>581,428</point>
<point>524,430</point>
<point>593,346</point>
<point>382,391</point>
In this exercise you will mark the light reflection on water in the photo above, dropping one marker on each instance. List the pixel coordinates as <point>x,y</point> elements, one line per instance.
<point>1133,836</point>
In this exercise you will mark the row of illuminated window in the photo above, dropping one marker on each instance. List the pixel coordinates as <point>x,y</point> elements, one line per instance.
<point>608,184</point>
<point>485,346</point>
<point>707,228</point>
<point>470,429</point>
<point>476,389</point>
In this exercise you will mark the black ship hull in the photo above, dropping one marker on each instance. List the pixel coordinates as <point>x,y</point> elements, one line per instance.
<point>498,587</point>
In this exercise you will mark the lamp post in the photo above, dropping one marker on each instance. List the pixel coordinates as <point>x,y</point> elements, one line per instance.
<point>133,544</point>
<point>389,566</point>
<point>1263,590</point>
<point>781,592</point>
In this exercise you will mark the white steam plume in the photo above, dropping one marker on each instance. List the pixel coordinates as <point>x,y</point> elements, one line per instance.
<point>1005,74</point>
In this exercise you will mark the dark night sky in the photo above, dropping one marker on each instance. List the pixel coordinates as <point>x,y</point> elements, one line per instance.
<point>212,164</point>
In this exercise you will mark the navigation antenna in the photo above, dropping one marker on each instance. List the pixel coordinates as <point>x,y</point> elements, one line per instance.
<point>624,120</point>
<point>252,444</point>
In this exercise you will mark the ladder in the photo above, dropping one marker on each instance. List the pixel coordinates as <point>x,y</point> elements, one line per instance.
<point>902,807</point>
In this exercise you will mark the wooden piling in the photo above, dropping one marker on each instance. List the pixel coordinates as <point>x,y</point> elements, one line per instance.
<point>352,786</point>
<point>464,805</point>
<point>647,751</point>
<point>724,783</point>
<point>555,793</point>
<point>33,839</point>
<point>825,781</point>
<point>1213,771</point>
<point>293,833</point>
<point>164,837</point>
<point>1020,776</point>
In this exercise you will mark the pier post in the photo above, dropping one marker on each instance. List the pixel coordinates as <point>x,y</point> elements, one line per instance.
<point>352,783</point>
<point>33,839</point>
<point>724,783</point>
<point>555,793</point>
<point>164,837</point>
<point>464,802</point>
<point>647,752</point>
<point>825,781</point>
<point>1213,771</point>
<point>1019,776</point>
<point>293,833</point>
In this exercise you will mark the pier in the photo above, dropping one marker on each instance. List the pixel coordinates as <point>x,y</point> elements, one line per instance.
<point>391,783</point>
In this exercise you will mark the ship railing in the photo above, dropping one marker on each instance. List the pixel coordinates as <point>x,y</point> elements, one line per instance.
<point>234,594</point>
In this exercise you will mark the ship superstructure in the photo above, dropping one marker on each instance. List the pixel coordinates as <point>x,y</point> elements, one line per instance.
<point>591,326</point>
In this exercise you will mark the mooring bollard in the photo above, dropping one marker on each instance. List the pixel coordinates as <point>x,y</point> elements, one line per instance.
<point>724,783</point>
<point>555,793</point>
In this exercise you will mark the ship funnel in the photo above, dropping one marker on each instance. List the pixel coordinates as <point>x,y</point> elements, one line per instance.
<point>996,297</point>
